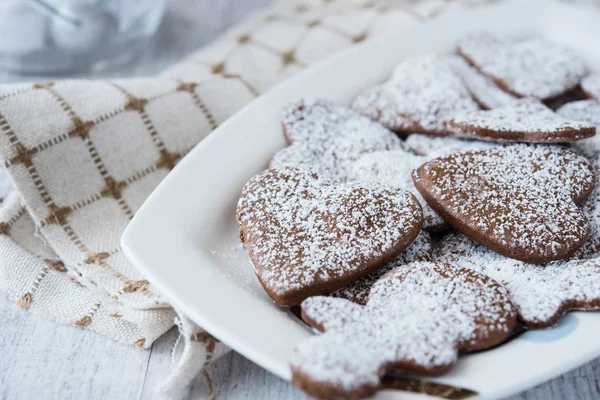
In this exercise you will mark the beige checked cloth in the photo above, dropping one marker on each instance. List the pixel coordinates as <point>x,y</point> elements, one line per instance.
<point>84,155</point>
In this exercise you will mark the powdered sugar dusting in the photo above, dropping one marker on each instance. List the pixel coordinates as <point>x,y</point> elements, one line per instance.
<point>394,168</point>
<point>308,236</point>
<point>527,120</point>
<point>518,200</point>
<point>417,318</point>
<point>327,138</point>
<point>587,111</point>
<point>541,293</point>
<point>434,146</point>
<point>358,291</point>
<point>591,86</point>
<point>422,92</point>
<point>527,67</point>
<point>482,89</point>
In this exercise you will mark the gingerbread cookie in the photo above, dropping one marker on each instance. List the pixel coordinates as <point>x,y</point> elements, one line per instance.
<point>525,121</point>
<point>530,67</point>
<point>587,111</point>
<point>326,138</point>
<point>307,236</point>
<point>542,294</point>
<point>394,168</point>
<point>420,95</point>
<point>518,200</point>
<point>483,89</point>
<point>591,86</point>
<point>358,292</point>
<point>435,146</point>
<point>417,318</point>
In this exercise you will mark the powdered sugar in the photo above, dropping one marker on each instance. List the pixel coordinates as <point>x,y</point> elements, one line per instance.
<point>518,200</point>
<point>527,67</point>
<point>433,146</point>
<point>416,319</point>
<point>327,138</point>
<point>591,86</point>
<point>526,121</point>
<point>393,168</point>
<point>358,291</point>
<point>422,92</point>
<point>541,293</point>
<point>482,89</point>
<point>587,111</point>
<point>307,236</point>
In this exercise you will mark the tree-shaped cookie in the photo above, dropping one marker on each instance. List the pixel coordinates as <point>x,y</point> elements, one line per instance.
<point>542,294</point>
<point>326,138</point>
<point>418,317</point>
<point>307,237</point>
<point>518,200</point>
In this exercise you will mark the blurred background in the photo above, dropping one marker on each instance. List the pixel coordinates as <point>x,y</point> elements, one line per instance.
<point>47,39</point>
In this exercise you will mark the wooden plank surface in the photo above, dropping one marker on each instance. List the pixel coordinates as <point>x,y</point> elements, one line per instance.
<point>40,359</point>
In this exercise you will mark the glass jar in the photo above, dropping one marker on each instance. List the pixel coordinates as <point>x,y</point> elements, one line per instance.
<point>60,36</point>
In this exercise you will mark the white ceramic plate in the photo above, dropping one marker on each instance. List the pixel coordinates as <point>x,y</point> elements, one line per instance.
<point>185,237</point>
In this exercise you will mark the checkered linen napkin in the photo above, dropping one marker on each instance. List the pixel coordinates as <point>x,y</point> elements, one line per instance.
<point>84,155</point>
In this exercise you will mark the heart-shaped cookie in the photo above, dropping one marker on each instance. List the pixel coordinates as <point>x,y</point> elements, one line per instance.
<point>417,318</point>
<point>518,200</point>
<point>327,139</point>
<point>530,67</point>
<point>420,95</point>
<point>525,121</point>
<point>542,294</point>
<point>591,86</point>
<point>306,236</point>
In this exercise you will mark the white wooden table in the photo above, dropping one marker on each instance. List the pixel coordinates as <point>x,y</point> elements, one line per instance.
<point>42,360</point>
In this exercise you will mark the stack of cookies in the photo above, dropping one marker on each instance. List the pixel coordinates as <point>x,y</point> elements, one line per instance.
<point>447,208</point>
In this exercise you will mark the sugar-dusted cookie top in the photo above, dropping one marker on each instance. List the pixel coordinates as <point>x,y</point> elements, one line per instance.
<point>541,293</point>
<point>482,88</point>
<point>524,67</point>
<point>525,121</point>
<point>327,138</point>
<point>306,236</point>
<point>394,168</point>
<point>422,92</point>
<point>434,146</point>
<point>416,320</point>
<point>586,111</point>
<point>591,86</point>
<point>518,200</point>
<point>419,250</point>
